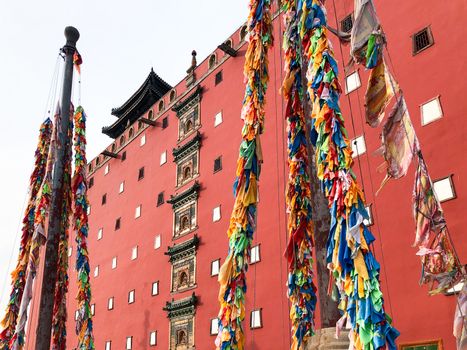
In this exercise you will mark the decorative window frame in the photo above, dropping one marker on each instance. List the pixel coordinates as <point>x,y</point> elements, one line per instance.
<point>185,109</point>
<point>187,153</point>
<point>181,314</point>
<point>182,202</point>
<point>183,259</point>
<point>438,342</point>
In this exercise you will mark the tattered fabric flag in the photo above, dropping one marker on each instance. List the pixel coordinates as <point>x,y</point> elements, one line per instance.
<point>300,287</point>
<point>399,142</point>
<point>84,329</point>
<point>232,276</point>
<point>14,317</point>
<point>77,61</point>
<point>460,319</point>
<point>366,37</point>
<point>378,94</point>
<point>354,268</point>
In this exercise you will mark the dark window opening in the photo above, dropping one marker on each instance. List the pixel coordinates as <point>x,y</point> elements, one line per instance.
<point>160,199</point>
<point>124,156</point>
<point>91,182</point>
<point>141,174</point>
<point>117,224</point>
<point>185,223</point>
<point>422,40</point>
<point>122,140</point>
<point>104,199</point>
<point>130,134</point>
<point>217,164</point>
<point>181,338</point>
<point>165,122</point>
<point>347,24</point>
<point>188,126</point>
<point>218,77</point>
<point>187,173</point>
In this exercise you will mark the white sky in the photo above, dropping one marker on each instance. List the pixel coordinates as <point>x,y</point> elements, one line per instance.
<point>120,42</point>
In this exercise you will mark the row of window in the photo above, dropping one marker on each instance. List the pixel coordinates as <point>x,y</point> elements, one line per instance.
<point>256,321</point>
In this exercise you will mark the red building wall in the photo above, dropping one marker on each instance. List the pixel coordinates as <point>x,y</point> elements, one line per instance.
<point>436,71</point>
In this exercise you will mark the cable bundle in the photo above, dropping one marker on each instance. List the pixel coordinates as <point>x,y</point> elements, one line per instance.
<point>80,222</point>
<point>232,277</point>
<point>353,266</point>
<point>301,290</point>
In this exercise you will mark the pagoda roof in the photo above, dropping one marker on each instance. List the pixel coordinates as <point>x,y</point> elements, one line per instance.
<point>152,90</point>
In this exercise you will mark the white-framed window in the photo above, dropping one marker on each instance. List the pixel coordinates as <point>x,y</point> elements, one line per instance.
<point>256,319</point>
<point>218,119</point>
<point>70,251</point>
<point>134,253</point>
<point>215,267</point>
<point>444,189</point>
<point>100,233</point>
<point>110,303</point>
<point>76,314</point>
<point>153,338</point>
<point>88,210</point>
<point>108,345</point>
<point>157,242</point>
<point>138,211</point>
<point>368,222</point>
<point>142,141</point>
<point>358,146</point>
<point>96,271</point>
<point>93,309</point>
<point>216,214</point>
<point>431,111</point>
<point>106,169</point>
<point>114,262</point>
<point>214,329</point>
<point>121,188</point>
<point>352,82</point>
<point>255,254</point>
<point>129,343</point>
<point>163,158</point>
<point>131,296</point>
<point>155,288</point>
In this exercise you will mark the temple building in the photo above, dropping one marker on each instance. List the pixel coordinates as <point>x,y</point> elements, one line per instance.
<point>161,193</point>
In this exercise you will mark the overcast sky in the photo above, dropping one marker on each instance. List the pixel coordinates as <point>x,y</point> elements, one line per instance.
<point>120,42</point>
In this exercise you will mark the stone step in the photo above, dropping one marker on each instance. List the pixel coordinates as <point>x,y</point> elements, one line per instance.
<point>325,339</point>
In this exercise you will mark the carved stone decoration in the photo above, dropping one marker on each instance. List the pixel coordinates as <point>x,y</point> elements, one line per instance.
<point>183,260</point>
<point>185,211</point>
<point>187,159</point>
<point>181,314</point>
<point>188,114</point>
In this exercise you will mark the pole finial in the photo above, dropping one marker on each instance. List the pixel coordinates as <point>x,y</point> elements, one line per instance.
<point>72,36</point>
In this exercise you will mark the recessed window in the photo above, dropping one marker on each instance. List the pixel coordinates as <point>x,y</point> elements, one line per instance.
<point>140,125</point>
<point>358,146</point>
<point>243,33</point>
<point>134,253</point>
<point>172,95</point>
<point>100,234</point>
<point>215,266</point>
<point>90,167</point>
<point>131,133</point>
<point>431,111</point>
<point>114,147</point>
<point>93,309</point>
<point>161,105</point>
<point>346,24</point>
<point>104,198</point>
<point>165,122</point>
<point>110,303</point>
<point>96,271</point>
<point>160,199</point>
<point>212,61</point>
<point>150,114</point>
<point>108,345</point>
<point>114,262</point>
<point>369,221</point>
<point>444,189</point>
<point>218,78</point>
<point>138,211</point>
<point>155,288</point>
<point>142,141</point>
<point>122,140</point>
<point>352,82</point>
<point>217,164</point>
<point>422,40</point>
<point>255,254</point>
<point>123,156</point>
<point>106,169</point>
<point>129,343</point>
<point>70,251</point>
<point>91,182</point>
<point>141,173</point>
<point>131,296</point>
<point>121,188</point>
<point>214,326</point>
<point>88,210</point>
<point>228,42</point>
<point>163,158</point>
<point>216,214</point>
<point>117,224</point>
<point>153,338</point>
<point>98,160</point>
<point>218,119</point>
<point>256,319</point>
<point>157,242</point>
